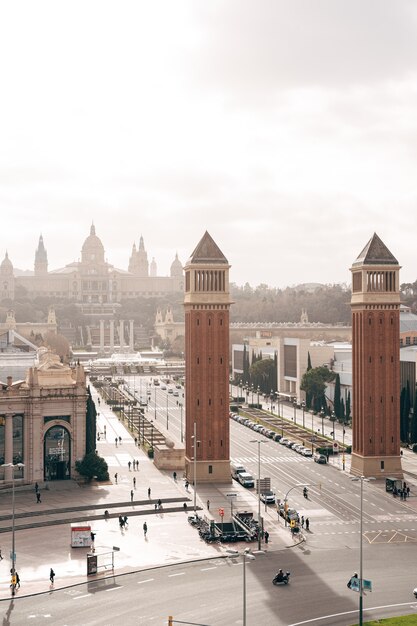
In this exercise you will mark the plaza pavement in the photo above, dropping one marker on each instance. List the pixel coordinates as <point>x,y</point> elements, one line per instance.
<point>42,535</point>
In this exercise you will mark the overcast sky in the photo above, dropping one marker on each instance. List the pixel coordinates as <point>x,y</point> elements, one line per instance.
<point>287,129</point>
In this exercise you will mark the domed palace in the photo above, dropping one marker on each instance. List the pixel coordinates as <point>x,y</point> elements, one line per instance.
<point>92,281</point>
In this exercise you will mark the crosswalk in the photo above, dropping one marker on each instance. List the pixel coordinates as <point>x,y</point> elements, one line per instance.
<point>269,459</point>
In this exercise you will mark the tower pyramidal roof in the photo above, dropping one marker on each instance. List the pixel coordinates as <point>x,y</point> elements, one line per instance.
<point>207,251</point>
<point>375,253</point>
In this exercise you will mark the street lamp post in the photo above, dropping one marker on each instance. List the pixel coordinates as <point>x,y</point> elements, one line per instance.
<point>312,432</point>
<point>258,390</point>
<point>13,585</point>
<point>182,434</point>
<point>195,444</point>
<point>154,401</point>
<point>294,403</point>
<point>361,479</point>
<point>343,444</point>
<point>333,418</point>
<point>167,413</point>
<point>246,554</point>
<point>303,406</point>
<point>322,420</point>
<point>152,434</point>
<point>271,397</point>
<point>259,441</point>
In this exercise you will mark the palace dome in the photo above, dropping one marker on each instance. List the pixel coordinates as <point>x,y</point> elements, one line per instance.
<point>92,250</point>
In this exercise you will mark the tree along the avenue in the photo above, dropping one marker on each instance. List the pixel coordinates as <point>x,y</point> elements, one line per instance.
<point>337,405</point>
<point>313,383</point>
<point>93,466</point>
<point>263,375</point>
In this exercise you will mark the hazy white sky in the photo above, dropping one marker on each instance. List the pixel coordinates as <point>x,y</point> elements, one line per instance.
<point>287,129</point>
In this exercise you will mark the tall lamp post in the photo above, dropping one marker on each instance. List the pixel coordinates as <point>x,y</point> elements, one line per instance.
<point>182,433</point>
<point>246,554</point>
<point>13,465</point>
<point>303,406</point>
<point>258,391</point>
<point>343,444</point>
<point>195,445</point>
<point>167,413</point>
<point>154,401</point>
<point>361,479</point>
<point>333,418</point>
<point>259,441</point>
<point>271,397</point>
<point>294,403</point>
<point>322,420</point>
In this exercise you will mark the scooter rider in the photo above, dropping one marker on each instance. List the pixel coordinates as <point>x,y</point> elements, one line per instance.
<point>280,576</point>
<point>305,492</point>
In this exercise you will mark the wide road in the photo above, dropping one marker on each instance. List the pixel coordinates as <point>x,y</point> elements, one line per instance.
<point>210,592</point>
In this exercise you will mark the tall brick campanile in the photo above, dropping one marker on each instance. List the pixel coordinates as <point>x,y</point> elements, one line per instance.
<point>207,304</point>
<point>375,308</point>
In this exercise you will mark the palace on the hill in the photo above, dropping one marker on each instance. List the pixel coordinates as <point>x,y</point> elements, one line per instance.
<point>92,280</point>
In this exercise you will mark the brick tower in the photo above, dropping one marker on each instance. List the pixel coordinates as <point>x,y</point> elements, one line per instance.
<point>375,308</point>
<point>207,304</point>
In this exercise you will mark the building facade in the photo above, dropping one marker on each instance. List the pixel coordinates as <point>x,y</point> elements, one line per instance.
<point>43,421</point>
<point>207,303</point>
<point>375,307</point>
<point>92,280</point>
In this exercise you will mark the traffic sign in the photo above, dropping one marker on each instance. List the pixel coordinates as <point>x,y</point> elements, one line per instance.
<point>221,512</point>
<point>231,495</point>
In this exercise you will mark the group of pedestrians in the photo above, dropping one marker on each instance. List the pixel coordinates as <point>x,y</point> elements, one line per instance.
<point>135,464</point>
<point>403,492</point>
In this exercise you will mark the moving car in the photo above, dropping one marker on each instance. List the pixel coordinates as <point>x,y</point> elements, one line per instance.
<point>320,458</point>
<point>236,469</point>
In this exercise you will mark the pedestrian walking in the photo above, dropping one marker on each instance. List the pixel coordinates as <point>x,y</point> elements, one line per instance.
<point>115,478</point>
<point>115,441</point>
<point>175,475</point>
<point>186,485</point>
<point>38,497</point>
<point>104,431</point>
<point>307,524</point>
<point>120,440</point>
<point>51,575</point>
<point>156,506</point>
<point>121,521</point>
<point>208,505</point>
<point>36,487</point>
<point>136,443</point>
<point>145,528</point>
<point>134,482</point>
<point>408,492</point>
<point>17,579</point>
<point>149,492</point>
<point>159,503</point>
<point>129,465</point>
<point>137,464</point>
<point>125,522</point>
<point>1,556</point>
<point>131,495</point>
<point>302,521</point>
<point>266,536</point>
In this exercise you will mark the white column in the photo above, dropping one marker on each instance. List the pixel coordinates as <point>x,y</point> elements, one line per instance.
<point>8,447</point>
<point>131,336</point>
<point>121,338</point>
<point>101,336</point>
<point>111,335</point>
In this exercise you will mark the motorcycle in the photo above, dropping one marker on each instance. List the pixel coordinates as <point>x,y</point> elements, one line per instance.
<point>283,581</point>
<point>305,493</point>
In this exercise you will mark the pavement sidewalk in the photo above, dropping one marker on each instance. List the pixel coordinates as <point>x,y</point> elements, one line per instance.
<point>42,530</point>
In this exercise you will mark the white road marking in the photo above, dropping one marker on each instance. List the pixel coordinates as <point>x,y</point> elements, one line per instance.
<point>180,574</point>
<point>115,588</point>
<point>206,569</point>
<point>86,595</point>
<point>148,580</point>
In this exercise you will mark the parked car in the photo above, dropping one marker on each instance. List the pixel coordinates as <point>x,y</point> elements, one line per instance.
<point>170,390</point>
<point>176,394</point>
<point>277,437</point>
<point>284,441</point>
<point>236,469</point>
<point>307,452</point>
<point>290,444</point>
<point>320,458</point>
<point>268,497</point>
<point>298,447</point>
<point>246,480</point>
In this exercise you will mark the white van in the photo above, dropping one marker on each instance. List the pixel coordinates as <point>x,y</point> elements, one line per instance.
<point>236,469</point>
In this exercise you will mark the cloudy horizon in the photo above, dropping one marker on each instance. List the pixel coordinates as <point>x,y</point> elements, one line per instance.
<point>287,130</point>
